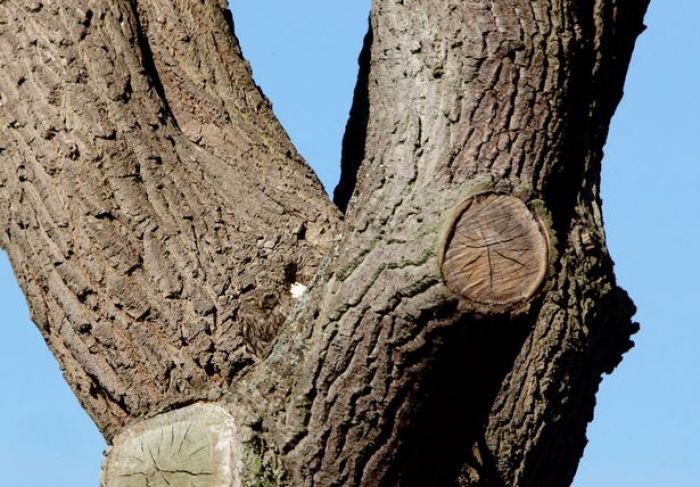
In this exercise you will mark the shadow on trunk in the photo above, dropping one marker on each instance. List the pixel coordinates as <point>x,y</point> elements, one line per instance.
<point>469,362</point>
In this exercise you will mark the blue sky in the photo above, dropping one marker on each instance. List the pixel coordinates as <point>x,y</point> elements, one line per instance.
<point>647,428</point>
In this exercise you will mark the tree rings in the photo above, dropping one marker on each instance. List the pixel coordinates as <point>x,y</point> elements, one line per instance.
<point>196,445</point>
<point>496,253</point>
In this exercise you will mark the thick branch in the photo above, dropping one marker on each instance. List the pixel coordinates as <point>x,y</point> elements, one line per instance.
<point>401,383</point>
<point>157,259</point>
<point>157,215</point>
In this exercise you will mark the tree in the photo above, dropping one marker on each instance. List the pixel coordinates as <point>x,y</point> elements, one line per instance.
<point>447,320</point>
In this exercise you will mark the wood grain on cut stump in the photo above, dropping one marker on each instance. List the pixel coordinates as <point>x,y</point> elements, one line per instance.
<point>193,446</point>
<point>497,251</point>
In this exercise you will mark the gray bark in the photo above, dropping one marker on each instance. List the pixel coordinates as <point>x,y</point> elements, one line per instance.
<point>156,215</point>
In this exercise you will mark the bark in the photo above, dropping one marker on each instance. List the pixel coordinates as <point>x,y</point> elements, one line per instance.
<point>456,324</point>
<point>154,211</point>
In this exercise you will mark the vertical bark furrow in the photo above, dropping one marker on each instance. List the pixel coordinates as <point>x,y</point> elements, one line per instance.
<point>462,96</point>
<point>536,428</point>
<point>157,269</point>
<point>218,106</point>
<point>156,215</point>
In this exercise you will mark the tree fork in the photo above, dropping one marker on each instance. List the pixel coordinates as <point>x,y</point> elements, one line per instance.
<point>391,369</point>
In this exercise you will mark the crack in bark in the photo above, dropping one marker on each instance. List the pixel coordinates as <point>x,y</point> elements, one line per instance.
<point>161,219</point>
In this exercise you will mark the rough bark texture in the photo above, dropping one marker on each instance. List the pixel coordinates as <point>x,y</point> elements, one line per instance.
<point>154,211</point>
<point>156,216</point>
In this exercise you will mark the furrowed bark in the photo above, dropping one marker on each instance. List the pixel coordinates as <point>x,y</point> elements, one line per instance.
<point>157,215</point>
<point>403,382</point>
<point>154,211</point>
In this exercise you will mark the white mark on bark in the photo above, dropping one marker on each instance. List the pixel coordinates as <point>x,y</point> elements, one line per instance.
<point>297,290</point>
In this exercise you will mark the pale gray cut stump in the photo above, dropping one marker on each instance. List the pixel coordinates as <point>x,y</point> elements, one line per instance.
<point>193,446</point>
<point>156,214</point>
<point>497,252</point>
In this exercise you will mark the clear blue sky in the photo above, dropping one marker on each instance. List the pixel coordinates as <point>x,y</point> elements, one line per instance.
<point>647,427</point>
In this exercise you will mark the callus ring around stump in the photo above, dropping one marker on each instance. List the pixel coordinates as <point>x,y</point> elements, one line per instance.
<point>496,253</point>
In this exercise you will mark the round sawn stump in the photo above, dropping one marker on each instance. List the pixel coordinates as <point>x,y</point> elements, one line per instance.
<point>496,254</point>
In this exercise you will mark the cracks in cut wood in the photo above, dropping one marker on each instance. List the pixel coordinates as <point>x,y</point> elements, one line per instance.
<point>493,227</point>
<point>376,349</point>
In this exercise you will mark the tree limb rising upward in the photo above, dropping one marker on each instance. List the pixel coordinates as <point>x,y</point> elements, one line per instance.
<point>458,317</point>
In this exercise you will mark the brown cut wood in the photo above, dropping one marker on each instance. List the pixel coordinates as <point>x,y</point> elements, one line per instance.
<point>497,252</point>
<point>157,218</point>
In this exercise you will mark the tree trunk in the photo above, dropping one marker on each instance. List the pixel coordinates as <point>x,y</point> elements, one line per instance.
<point>457,319</point>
